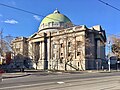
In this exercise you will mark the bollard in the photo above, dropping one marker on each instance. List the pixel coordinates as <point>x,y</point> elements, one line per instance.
<point>0,77</point>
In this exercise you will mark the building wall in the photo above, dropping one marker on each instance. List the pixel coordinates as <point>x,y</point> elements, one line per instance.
<point>90,50</point>
<point>65,53</point>
<point>20,46</point>
<point>73,48</point>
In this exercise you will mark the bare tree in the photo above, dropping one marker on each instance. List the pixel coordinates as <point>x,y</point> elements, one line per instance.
<point>5,44</point>
<point>115,45</point>
<point>72,45</point>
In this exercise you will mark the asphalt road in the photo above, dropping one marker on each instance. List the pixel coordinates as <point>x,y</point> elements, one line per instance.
<point>65,81</point>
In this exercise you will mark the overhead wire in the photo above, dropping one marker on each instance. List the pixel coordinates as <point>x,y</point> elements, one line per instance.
<point>113,8</point>
<point>109,5</point>
<point>26,11</point>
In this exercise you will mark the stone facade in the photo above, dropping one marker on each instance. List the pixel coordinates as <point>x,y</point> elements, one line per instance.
<point>67,48</point>
<point>20,46</point>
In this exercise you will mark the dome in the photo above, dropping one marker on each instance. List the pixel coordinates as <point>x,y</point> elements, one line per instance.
<point>55,20</point>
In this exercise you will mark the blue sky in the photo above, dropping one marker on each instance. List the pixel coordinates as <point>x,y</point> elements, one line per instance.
<point>80,12</point>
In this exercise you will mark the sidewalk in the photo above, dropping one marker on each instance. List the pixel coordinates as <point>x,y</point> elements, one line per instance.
<point>41,72</point>
<point>17,74</point>
<point>86,71</point>
<point>14,75</point>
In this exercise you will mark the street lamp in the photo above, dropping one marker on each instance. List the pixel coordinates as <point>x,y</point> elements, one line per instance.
<point>109,64</point>
<point>109,55</point>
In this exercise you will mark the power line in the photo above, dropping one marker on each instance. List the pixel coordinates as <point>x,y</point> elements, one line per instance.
<point>113,8</point>
<point>26,11</point>
<point>109,5</point>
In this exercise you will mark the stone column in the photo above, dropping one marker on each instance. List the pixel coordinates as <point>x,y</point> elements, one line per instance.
<point>40,51</point>
<point>33,51</point>
<point>49,51</point>
<point>45,52</point>
<point>66,53</point>
<point>75,47</point>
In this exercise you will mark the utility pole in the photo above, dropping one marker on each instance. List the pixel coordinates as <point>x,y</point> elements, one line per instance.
<point>1,44</point>
<point>1,49</point>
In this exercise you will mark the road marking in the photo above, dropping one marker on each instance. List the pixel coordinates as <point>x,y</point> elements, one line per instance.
<point>60,82</point>
<point>22,86</point>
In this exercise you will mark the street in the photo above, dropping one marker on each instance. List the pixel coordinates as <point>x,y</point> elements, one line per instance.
<point>64,81</point>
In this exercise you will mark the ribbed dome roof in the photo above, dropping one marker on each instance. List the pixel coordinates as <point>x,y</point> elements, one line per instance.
<point>55,17</point>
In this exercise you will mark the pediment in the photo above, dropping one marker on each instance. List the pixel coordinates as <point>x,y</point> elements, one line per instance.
<point>36,35</point>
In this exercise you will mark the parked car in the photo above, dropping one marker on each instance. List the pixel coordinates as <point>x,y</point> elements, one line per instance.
<point>2,71</point>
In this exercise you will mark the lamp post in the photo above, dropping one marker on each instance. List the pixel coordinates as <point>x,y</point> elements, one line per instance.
<point>109,64</point>
<point>109,57</point>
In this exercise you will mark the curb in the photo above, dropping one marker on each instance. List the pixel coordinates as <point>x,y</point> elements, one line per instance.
<point>6,77</point>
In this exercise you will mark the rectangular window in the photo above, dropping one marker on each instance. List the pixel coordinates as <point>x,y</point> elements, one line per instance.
<point>78,53</point>
<point>61,54</point>
<point>78,43</point>
<point>61,45</point>
<point>69,53</point>
<point>69,44</point>
<point>61,60</point>
<point>53,55</point>
<point>78,64</point>
<point>53,46</point>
